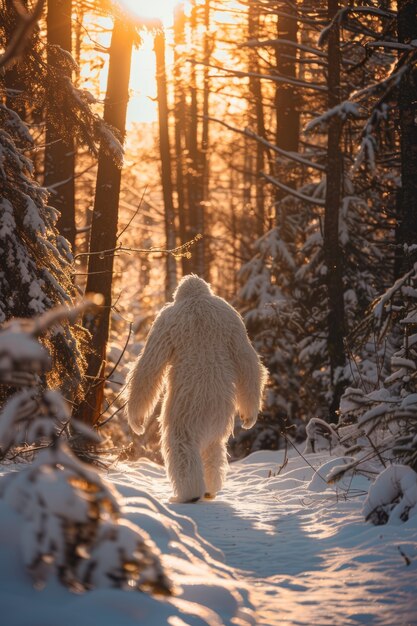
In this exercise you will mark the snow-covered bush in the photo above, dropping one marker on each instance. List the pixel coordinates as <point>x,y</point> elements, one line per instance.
<point>382,420</point>
<point>320,436</point>
<point>377,426</point>
<point>393,496</point>
<point>73,525</point>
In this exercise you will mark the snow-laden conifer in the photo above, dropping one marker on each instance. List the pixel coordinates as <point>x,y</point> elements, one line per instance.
<point>35,260</point>
<point>73,527</point>
<point>383,417</point>
<point>45,86</point>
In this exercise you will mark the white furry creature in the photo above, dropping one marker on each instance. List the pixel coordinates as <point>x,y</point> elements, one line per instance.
<point>198,345</point>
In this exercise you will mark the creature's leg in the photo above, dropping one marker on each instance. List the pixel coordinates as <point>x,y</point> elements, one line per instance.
<point>215,466</point>
<point>184,468</point>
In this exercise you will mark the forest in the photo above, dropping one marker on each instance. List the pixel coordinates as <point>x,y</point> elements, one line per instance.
<point>269,148</point>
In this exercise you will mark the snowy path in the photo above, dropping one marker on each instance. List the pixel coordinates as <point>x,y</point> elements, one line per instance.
<point>305,554</point>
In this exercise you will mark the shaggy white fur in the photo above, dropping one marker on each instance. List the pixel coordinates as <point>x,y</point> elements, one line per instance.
<point>198,344</point>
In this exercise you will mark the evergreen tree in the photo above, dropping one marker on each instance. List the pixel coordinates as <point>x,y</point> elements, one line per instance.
<point>35,260</point>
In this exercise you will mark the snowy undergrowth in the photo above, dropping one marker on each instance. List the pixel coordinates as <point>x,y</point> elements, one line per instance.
<point>205,590</point>
<point>302,546</point>
<point>71,546</point>
<point>279,538</point>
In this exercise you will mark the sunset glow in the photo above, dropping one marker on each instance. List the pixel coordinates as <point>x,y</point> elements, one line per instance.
<point>157,9</point>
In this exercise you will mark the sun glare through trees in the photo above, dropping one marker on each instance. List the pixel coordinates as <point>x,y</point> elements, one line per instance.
<point>151,10</point>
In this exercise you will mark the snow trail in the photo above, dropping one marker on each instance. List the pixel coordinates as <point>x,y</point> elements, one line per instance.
<point>303,550</point>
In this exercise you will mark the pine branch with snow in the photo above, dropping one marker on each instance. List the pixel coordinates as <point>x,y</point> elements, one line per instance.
<point>392,497</point>
<point>378,420</point>
<point>73,525</point>
<point>36,260</point>
<point>47,87</point>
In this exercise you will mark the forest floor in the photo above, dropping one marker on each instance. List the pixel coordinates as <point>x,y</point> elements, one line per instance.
<point>301,546</point>
<point>277,546</point>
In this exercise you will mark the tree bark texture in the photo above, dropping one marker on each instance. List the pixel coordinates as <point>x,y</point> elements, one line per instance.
<point>166,165</point>
<point>202,252</point>
<point>331,246</point>
<point>60,151</point>
<point>103,239</point>
<point>180,132</point>
<point>287,114</point>
<point>286,96</point>
<point>195,172</point>
<point>407,205</point>
<point>257,117</point>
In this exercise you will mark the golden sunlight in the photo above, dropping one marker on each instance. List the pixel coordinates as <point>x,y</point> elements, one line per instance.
<point>156,9</point>
<point>142,103</point>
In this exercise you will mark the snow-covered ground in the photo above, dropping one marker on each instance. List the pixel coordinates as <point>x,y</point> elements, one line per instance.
<point>276,539</point>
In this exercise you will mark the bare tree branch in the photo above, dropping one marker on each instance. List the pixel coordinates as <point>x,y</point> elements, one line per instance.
<point>274,78</point>
<point>292,156</point>
<point>293,192</point>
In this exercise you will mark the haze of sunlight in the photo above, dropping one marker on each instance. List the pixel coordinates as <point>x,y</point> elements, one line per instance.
<point>142,105</point>
<point>157,9</point>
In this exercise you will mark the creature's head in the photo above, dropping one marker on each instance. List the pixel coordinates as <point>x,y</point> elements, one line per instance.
<point>191,286</point>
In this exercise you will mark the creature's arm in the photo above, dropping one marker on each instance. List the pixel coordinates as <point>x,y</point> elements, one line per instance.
<point>145,380</point>
<point>251,376</point>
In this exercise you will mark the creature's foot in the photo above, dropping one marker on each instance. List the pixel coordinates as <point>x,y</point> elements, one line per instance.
<point>179,501</point>
<point>209,496</point>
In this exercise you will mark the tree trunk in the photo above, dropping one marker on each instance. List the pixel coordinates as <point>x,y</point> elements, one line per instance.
<point>257,117</point>
<point>78,36</point>
<point>286,110</point>
<point>287,114</point>
<point>194,172</point>
<point>202,251</point>
<point>105,217</point>
<point>166,164</point>
<point>331,246</point>
<point>407,204</point>
<point>180,132</point>
<point>60,152</point>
